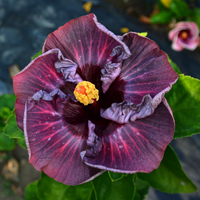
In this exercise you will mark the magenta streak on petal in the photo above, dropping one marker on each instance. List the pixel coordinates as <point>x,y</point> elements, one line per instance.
<point>65,156</point>
<point>61,153</point>
<point>82,51</point>
<point>136,64</point>
<point>53,144</point>
<point>148,150</point>
<point>55,149</point>
<point>151,74</point>
<point>50,136</point>
<point>38,75</point>
<point>116,143</point>
<point>100,53</point>
<point>141,72</point>
<point>142,84</point>
<point>60,150</point>
<point>147,68</point>
<point>58,175</point>
<point>111,149</point>
<point>125,131</point>
<point>142,144</point>
<point>66,50</point>
<point>138,134</point>
<point>118,150</point>
<point>92,42</point>
<point>104,29</point>
<point>90,49</point>
<point>126,146</point>
<point>52,73</point>
<point>148,138</point>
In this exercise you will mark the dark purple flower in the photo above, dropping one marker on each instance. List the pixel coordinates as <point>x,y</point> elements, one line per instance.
<point>184,36</point>
<point>127,124</point>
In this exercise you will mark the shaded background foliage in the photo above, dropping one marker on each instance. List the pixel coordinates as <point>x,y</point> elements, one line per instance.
<point>24,26</point>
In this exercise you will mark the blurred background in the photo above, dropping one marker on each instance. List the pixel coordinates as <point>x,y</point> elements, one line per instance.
<point>24,26</point>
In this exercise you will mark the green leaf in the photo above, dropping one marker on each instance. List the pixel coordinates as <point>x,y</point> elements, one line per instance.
<point>22,143</point>
<point>5,112</point>
<point>169,177</point>
<point>180,9</point>
<point>175,67</point>
<point>142,189</point>
<point>36,55</point>
<point>6,143</point>
<point>144,34</point>
<point>122,189</point>
<point>31,191</point>
<point>93,197</point>
<point>7,100</point>
<point>48,188</point>
<point>195,16</point>
<point>184,100</point>
<point>11,128</point>
<point>115,176</point>
<point>162,17</point>
<point>2,124</point>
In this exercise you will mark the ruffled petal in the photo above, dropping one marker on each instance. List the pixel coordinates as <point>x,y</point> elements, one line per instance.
<point>191,45</point>
<point>68,69</point>
<point>177,45</point>
<point>40,74</point>
<point>48,96</point>
<point>84,41</point>
<point>109,74</point>
<point>173,33</point>
<point>53,144</point>
<point>137,146</point>
<point>124,112</point>
<point>94,143</point>
<point>112,70</point>
<point>194,29</point>
<point>147,71</point>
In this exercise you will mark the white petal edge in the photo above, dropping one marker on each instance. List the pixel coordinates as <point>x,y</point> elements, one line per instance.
<point>25,131</point>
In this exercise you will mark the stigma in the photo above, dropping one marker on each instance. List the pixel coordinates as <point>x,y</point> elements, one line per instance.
<point>184,35</point>
<point>86,93</point>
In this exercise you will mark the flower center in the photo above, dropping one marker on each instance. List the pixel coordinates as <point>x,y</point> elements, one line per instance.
<point>86,93</point>
<point>184,35</point>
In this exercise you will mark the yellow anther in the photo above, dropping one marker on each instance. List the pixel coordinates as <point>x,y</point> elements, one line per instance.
<point>85,92</point>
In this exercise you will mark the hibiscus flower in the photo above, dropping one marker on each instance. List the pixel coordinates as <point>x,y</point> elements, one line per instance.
<point>94,101</point>
<point>184,36</point>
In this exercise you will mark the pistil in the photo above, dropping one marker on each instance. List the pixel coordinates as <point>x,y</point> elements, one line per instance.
<point>86,93</point>
<point>184,35</point>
